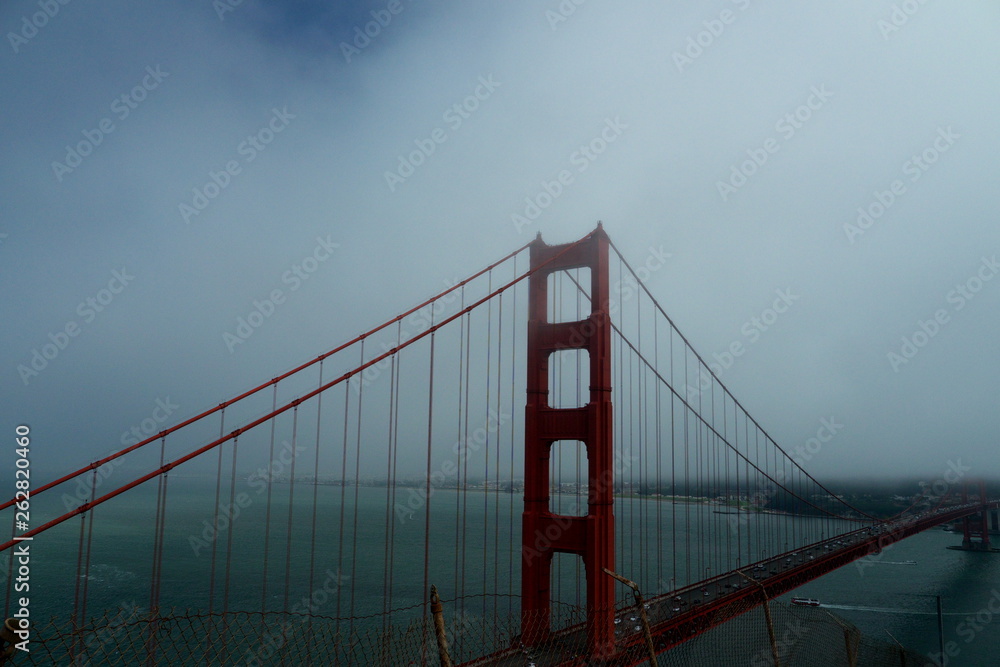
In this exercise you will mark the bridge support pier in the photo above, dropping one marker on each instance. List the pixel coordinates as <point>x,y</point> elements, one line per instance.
<point>544,533</point>
<point>976,528</point>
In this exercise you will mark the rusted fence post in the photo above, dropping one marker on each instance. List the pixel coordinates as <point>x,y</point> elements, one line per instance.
<point>767,617</point>
<point>437,610</point>
<point>852,658</point>
<point>641,606</point>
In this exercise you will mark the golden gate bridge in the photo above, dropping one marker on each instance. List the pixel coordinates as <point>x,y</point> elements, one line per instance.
<point>504,454</point>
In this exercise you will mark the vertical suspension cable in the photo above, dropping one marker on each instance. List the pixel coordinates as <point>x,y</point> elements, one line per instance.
<point>462,454</point>
<point>343,482</point>
<point>229,549</point>
<point>390,490</point>
<point>291,508</point>
<point>215,532</point>
<point>267,508</point>
<point>643,396</point>
<point>486,475</point>
<point>387,563</point>
<point>513,375</point>
<point>458,455</point>
<point>728,496</point>
<point>315,498</point>
<point>698,485</point>
<point>715,541</point>
<point>496,500</point>
<point>687,484</point>
<point>784,526</point>
<point>394,417</point>
<point>465,449</point>
<point>739,495</point>
<point>312,532</point>
<point>632,501</point>
<point>768,518</point>
<point>357,490</point>
<point>427,489</point>
<point>659,461</point>
<point>77,619</point>
<point>154,600</point>
<point>232,529</point>
<point>215,518</point>
<point>751,556</point>
<point>87,551</point>
<point>639,496</point>
<point>673,470</point>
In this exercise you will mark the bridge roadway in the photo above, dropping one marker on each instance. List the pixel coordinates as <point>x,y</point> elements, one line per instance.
<point>682,614</point>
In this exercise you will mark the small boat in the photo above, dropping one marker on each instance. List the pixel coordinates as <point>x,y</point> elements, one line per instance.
<point>805,602</point>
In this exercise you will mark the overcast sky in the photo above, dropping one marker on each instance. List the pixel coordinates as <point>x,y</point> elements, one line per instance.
<point>176,160</point>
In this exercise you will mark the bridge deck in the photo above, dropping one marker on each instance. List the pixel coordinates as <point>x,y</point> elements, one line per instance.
<point>682,614</point>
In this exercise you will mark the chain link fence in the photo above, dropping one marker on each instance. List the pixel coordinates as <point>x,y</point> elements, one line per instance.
<point>794,637</point>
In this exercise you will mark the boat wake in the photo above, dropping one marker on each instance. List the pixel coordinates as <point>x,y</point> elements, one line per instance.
<point>889,610</point>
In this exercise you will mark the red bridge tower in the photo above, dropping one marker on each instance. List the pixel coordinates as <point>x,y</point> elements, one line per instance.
<point>591,537</point>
